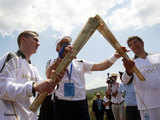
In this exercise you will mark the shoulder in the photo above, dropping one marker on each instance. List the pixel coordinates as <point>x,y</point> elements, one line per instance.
<point>2,58</point>
<point>9,56</point>
<point>154,54</point>
<point>78,60</point>
<point>50,62</point>
<point>82,61</point>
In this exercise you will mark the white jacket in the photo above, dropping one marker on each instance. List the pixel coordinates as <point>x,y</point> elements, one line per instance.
<point>16,81</point>
<point>148,91</point>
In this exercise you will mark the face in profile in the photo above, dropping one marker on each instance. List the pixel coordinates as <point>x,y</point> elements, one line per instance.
<point>31,43</point>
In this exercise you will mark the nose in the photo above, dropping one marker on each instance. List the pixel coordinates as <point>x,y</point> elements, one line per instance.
<point>38,43</point>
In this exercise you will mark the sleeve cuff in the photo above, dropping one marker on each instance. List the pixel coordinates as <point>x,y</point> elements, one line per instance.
<point>126,78</point>
<point>29,87</point>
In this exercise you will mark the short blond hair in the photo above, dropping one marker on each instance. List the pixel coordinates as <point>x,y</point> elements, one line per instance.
<point>26,33</point>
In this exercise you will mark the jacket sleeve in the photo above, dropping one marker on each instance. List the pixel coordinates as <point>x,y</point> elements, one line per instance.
<point>10,87</point>
<point>126,78</point>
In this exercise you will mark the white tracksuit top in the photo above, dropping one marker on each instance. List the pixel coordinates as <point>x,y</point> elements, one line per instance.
<point>16,81</point>
<point>148,91</point>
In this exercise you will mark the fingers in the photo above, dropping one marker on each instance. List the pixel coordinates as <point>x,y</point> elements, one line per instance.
<point>128,64</point>
<point>43,87</point>
<point>69,48</point>
<point>124,49</point>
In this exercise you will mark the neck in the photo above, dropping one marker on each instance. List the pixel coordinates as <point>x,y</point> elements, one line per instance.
<point>142,54</point>
<point>26,54</point>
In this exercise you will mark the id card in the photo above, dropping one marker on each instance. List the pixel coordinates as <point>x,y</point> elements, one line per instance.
<point>69,89</point>
<point>146,116</point>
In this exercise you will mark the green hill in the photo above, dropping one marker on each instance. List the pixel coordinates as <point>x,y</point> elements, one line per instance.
<point>100,89</point>
<point>91,95</point>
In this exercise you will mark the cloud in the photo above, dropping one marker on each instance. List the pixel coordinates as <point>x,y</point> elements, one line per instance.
<point>137,14</point>
<point>65,15</point>
<point>95,80</point>
<point>61,15</point>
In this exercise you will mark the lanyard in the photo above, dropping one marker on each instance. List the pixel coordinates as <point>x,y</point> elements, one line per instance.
<point>69,73</point>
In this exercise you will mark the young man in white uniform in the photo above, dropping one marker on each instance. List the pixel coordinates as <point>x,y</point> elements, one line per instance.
<point>147,92</point>
<point>71,102</point>
<point>19,80</point>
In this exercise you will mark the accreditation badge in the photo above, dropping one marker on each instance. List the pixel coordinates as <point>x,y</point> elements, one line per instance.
<point>69,89</point>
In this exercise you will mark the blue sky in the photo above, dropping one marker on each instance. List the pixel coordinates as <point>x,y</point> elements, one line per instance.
<point>53,19</point>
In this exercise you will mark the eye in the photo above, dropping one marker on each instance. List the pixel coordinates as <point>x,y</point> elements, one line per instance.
<point>35,39</point>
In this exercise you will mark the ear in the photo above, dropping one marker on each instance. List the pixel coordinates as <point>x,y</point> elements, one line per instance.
<point>58,48</point>
<point>143,44</point>
<point>22,40</point>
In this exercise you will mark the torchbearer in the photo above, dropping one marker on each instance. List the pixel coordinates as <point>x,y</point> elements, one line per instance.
<point>19,80</point>
<point>71,92</point>
<point>104,30</point>
<point>147,92</point>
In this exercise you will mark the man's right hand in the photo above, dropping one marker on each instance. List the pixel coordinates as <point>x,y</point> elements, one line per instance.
<point>48,85</point>
<point>45,86</point>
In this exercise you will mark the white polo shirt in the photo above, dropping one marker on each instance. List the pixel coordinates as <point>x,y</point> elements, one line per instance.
<point>79,68</point>
<point>105,99</point>
<point>118,98</point>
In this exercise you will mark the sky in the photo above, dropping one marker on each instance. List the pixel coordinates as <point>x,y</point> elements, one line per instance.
<point>53,19</point>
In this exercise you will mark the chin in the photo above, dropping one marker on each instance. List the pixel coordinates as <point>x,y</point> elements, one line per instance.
<point>33,52</point>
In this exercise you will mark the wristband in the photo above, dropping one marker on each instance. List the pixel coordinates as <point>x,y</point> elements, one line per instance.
<point>113,59</point>
<point>33,90</point>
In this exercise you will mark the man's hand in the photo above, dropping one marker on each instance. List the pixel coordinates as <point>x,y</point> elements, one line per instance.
<point>45,86</point>
<point>64,50</point>
<point>51,69</point>
<point>117,55</point>
<point>48,85</point>
<point>128,64</point>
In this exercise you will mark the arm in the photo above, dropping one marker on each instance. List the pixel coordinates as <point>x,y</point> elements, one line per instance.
<point>107,103</point>
<point>127,78</point>
<point>52,66</point>
<point>115,87</point>
<point>105,64</point>
<point>11,88</point>
<point>106,100</point>
<point>128,75</point>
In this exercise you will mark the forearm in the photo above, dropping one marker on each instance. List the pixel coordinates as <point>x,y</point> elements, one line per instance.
<point>105,64</point>
<point>52,67</point>
<point>107,103</point>
<point>13,91</point>
<point>126,78</point>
